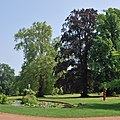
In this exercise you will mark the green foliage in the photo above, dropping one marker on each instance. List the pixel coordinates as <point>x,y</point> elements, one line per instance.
<point>7,79</point>
<point>114,94</point>
<point>115,84</point>
<point>39,54</point>
<point>103,85</point>
<point>3,99</point>
<point>55,91</point>
<point>29,92</point>
<point>29,100</point>
<point>61,91</point>
<point>104,55</point>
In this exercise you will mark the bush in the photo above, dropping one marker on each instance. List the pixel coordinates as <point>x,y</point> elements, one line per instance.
<point>114,86</point>
<point>29,100</point>
<point>3,99</point>
<point>60,91</point>
<point>29,92</point>
<point>114,94</point>
<point>55,91</point>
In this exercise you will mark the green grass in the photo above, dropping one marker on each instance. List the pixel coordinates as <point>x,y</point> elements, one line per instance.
<point>93,107</point>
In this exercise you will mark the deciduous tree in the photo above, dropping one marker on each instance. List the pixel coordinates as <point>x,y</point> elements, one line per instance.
<point>105,53</point>
<point>78,33</point>
<point>6,79</point>
<point>39,56</point>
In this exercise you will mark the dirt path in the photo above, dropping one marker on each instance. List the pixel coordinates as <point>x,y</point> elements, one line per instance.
<point>5,116</point>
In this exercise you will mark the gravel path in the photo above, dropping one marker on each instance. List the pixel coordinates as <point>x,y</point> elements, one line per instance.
<point>5,116</point>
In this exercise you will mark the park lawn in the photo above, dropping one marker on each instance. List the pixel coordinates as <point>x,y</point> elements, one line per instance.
<point>91,107</point>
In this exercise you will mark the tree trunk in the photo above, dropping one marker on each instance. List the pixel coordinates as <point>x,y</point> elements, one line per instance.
<point>40,93</point>
<point>84,79</point>
<point>84,92</point>
<point>40,90</point>
<point>85,89</point>
<point>85,84</point>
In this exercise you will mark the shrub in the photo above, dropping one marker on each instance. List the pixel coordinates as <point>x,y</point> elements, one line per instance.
<point>55,91</point>
<point>3,99</point>
<point>29,92</point>
<point>60,91</point>
<point>29,100</point>
<point>114,94</point>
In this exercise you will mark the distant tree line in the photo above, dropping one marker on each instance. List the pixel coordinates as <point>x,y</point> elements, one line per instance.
<point>7,79</point>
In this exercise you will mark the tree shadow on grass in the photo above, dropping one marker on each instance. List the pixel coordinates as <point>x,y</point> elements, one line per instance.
<point>114,106</point>
<point>52,97</point>
<point>61,97</point>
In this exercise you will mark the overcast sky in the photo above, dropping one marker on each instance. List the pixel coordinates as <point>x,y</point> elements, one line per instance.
<point>16,14</point>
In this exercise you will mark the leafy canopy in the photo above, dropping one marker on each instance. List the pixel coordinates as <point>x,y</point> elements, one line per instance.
<point>77,36</point>
<point>39,56</point>
<point>6,79</point>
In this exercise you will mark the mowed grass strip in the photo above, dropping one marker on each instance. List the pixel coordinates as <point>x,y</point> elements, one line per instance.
<point>91,107</point>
